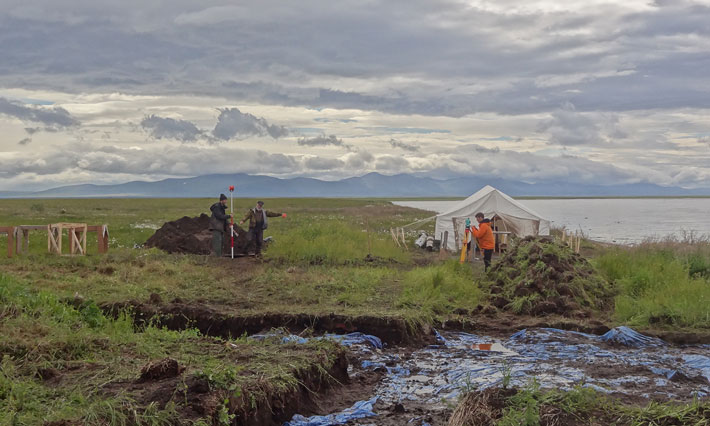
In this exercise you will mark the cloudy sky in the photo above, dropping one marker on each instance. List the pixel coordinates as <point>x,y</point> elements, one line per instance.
<point>577,91</point>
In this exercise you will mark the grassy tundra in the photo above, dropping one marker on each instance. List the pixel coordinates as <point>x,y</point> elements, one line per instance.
<point>64,360</point>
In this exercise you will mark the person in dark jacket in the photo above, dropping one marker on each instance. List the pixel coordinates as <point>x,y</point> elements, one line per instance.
<point>258,221</point>
<point>218,224</point>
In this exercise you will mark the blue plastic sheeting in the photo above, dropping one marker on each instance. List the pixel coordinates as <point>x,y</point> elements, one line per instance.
<point>556,358</point>
<point>628,337</point>
<point>344,339</point>
<point>621,361</point>
<point>361,410</point>
<point>700,362</point>
<point>356,339</point>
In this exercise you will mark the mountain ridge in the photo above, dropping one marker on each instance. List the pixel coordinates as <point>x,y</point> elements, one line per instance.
<point>370,185</point>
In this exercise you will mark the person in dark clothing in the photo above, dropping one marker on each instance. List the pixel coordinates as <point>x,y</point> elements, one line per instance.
<point>218,224</point>
<point>258,221</point>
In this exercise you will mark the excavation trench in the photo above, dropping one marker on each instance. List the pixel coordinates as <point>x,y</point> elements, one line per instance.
<point>179,316</point>
<point>418,373</point>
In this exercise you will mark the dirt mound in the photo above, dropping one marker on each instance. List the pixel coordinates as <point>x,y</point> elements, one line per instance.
<point>193,235</point>
<point>539,276</point>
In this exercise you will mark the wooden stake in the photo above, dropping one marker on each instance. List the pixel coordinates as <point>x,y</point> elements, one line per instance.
<point>10,231</point>
<point>394,237</point>
<point>404,240</point>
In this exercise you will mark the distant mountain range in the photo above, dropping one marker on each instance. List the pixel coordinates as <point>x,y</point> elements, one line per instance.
<point>369,185</point>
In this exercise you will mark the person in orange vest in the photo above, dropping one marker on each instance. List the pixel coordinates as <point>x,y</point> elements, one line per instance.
<point>484,235</point>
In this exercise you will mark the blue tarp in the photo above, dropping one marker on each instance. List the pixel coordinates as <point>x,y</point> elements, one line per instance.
<point>556,358</point>
<point>360,410</point>
<point>628,337</point>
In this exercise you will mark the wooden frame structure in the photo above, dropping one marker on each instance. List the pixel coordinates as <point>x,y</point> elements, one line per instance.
<point>18,237</point>
<point>77,237</point>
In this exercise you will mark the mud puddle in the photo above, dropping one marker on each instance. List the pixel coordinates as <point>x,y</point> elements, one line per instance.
<point>421,387</point>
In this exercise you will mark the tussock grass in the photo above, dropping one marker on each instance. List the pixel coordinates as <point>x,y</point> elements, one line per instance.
<point>440,289</point>
<point>660,282</point>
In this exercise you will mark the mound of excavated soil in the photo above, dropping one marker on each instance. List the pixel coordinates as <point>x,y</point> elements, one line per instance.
<point>193,235</point>
<point>539,276</point>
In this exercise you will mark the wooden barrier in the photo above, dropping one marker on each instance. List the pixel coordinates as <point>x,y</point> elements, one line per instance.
<point>77,237</point>
<point>22,237</point>
<point>10,231</point>
<point>101,236</point>
<point>19,237</point>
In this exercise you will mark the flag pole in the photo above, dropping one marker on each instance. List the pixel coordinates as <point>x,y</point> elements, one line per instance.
<point>231,207</point>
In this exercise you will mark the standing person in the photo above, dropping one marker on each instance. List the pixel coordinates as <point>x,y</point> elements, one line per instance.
<point>218,224</point>
<point>257,218</point>
<point>484,235</point>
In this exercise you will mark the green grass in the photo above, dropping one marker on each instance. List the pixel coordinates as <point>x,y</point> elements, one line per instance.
<point>334,242</point>
<point>659,284</point>
<point>532,406</point>
<point>95,357</point>
<point>441,289</point>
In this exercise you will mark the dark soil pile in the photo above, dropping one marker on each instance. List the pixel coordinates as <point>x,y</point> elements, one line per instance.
<point>193,235</point>
<point>539,276</point>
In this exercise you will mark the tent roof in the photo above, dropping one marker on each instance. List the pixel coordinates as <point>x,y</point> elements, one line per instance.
<point>492,201</point>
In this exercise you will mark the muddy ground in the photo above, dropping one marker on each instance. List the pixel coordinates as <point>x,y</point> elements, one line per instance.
<point>415,349</point>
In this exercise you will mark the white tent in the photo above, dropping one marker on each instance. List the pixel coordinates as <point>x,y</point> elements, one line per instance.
<point>510,216</point>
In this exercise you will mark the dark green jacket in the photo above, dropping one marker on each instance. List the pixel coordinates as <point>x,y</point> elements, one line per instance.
<point>255,217</point>
<point>219,219</point>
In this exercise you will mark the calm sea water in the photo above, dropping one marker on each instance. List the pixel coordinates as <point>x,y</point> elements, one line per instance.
<point>617,220</point>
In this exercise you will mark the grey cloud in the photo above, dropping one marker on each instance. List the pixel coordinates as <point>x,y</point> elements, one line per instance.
<point>170,128</point>
<point>359,160</point>
<point>705,140</point>
<point>321,163</point>
<point>390,163</point>
<point>24,141</point>
<point>232,123</point>
<point>323,140</point>
<point>603,58</point>
<point>568,127</point>
<point>182,160</point>
<point>32,130</point>
<point>52,118</point>
<point>394,143</point>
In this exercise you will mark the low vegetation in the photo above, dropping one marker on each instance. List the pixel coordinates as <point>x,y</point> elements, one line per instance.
<point>660,283</point>
<point>440,289</point>
<point>532,406</point>
<point>68,362</point>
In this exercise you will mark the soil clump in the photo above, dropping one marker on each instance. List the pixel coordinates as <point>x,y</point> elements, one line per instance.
<point>539,276</point>
<point>165,368</point>
<point>192,235</point>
